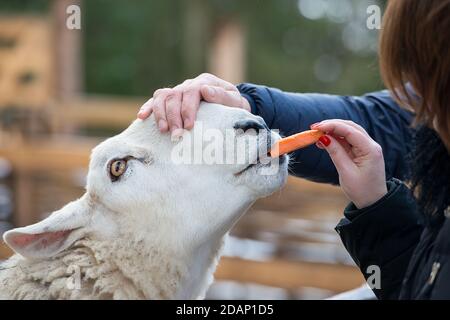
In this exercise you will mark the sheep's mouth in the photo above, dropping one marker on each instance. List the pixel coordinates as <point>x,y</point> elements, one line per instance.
<point>258,163</point>
<point>246,168</point>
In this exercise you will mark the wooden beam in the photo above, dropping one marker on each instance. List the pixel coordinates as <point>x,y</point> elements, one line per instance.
<point>41,155</point>
<point>227,53</point>
<point>290,274</point>
<point>5,251</point>
<point>98,111</point>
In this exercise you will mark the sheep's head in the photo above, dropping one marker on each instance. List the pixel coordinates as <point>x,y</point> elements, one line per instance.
<point>185,192</point>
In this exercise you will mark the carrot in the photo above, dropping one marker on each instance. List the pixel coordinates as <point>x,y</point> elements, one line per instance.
<point>294,142</point>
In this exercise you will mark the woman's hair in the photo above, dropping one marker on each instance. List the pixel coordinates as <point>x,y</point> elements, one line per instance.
<point>430,173</point>
<point>415,54</point>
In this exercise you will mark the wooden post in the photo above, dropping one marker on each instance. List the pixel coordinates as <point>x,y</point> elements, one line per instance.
<point>24,214</point>
<point>69,73</point>
<point>227,53</point>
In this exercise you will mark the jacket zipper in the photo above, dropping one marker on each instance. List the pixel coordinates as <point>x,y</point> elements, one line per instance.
<point>426,289</point>
<point>434,272</point>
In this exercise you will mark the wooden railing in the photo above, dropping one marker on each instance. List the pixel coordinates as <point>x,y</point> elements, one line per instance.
<point>5,251</point>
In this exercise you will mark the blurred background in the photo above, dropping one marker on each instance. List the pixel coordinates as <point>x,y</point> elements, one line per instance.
<point>62,91</point>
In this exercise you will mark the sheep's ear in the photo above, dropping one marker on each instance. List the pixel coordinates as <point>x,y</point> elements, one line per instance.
<point>52,235</point>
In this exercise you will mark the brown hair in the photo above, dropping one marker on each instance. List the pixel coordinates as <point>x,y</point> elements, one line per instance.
<point>415,50</point>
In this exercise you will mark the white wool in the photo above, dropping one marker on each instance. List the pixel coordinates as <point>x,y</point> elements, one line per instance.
<point>156,233</point>
<point>107,270</point>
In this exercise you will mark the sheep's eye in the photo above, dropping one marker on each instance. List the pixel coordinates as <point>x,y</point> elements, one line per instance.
<point>117,168</point>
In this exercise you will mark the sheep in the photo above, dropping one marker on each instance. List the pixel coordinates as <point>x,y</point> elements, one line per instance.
<point>147,227</point>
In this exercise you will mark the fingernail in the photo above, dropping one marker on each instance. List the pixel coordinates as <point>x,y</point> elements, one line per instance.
<point>177,134</point>
<point>320,145</point>
<point>314,124</point>
<point>325,140</point>
<point>162,125</point>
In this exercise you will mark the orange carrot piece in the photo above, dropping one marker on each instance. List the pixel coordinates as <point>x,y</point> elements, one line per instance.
<point>294,142</point>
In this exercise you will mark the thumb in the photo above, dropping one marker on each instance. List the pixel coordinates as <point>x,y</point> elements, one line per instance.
<point>219,95</point>
<point>341,159</point>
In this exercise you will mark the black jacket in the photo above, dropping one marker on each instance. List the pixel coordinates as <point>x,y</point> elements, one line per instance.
<point>412,253</point>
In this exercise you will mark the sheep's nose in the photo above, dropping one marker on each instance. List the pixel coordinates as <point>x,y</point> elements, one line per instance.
<point>256,124</point>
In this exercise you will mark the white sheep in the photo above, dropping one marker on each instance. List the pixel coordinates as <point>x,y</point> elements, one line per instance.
<point>146,228</point>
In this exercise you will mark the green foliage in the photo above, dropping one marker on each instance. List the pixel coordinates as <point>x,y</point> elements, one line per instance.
<point>134,47</point>
<point>21,6</point>
<point>284,48</point>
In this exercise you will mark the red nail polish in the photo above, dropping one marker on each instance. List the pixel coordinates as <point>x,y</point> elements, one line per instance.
<point>325,140</point>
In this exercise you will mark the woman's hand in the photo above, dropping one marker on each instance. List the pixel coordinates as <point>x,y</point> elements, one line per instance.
<point>358,160</point>
<point>176,108</point>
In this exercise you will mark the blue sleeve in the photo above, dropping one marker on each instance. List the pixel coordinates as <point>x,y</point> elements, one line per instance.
<point>290,113</point>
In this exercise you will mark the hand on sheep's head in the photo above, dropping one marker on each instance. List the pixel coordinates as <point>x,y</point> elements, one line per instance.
<point>176,108</point>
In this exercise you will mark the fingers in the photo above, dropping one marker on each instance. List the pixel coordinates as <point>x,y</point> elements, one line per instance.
<point>177,108</point>
<point>355,135</point>
<point>146,110</point>
<point>189,106</point>
<point>341,121</point>
<point>210,79</point>
<point>159,109</point>
<point>219,95</point>
<point>344,144</point>
<point>192,97</point>
<point>173,110</point>
<point>338,154</point>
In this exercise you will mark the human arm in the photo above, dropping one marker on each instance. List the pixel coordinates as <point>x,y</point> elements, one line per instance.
<point>291,113</point>
<point>376,112</point>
